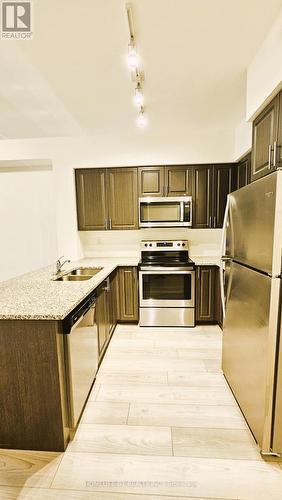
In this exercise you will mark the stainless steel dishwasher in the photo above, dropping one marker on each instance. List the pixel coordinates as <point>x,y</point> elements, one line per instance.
<point>81,355</point>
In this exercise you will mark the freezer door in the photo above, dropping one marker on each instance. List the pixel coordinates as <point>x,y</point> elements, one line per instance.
<point>252,219</point>
<point>245,343</point>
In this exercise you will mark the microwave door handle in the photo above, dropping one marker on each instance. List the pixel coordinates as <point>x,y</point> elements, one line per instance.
<point>182,211</point>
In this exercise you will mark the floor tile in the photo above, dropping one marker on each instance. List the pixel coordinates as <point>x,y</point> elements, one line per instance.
<point>199,353</point>
<point>166,394</point>
<point>213,365</point>
<point>186,476</point>
<point>122,439</point>
<point>129,377</point>
<point>190,379</point>
<point>105,413</point>
<point>214,443</point>
<point>153,364</point>
<point>182,415</point>
<point>10,493</point>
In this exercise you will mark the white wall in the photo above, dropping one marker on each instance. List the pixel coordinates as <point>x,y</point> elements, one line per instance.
<point>27,219</point>
<point>243,139</point>
<point>264,77</point>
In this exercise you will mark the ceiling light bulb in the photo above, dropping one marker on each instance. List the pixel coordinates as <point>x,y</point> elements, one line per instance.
<point>138,97</point>
<point>141,119</point>
<point>132,57</point>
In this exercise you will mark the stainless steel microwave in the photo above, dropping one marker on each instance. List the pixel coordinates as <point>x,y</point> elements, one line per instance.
<point>165,212</point>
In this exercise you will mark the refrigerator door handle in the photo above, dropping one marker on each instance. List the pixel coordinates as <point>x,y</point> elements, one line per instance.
<point>221,278</point>
<point>224,258</point>
<point>224,227</point>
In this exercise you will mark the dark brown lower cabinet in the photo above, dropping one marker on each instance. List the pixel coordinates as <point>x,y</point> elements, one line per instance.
<point>208,305</point>
<point>107,310</point>
<point>34,413</point>
<point>102,317</point>
<point>128,294</point>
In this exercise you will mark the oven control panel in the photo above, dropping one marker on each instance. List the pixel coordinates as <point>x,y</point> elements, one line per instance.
<point>164,245</point>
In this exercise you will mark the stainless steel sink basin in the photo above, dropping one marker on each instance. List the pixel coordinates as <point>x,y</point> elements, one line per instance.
<point>69,277</point>
<point>85,271</point>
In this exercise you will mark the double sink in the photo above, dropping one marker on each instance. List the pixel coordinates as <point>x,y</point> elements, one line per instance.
<point>80,274</point>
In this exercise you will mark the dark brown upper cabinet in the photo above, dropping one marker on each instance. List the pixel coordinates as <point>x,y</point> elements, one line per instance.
<point>122,198</point>
<point>178,181</point>
<point>151,181</point>
<point>224,182</point>
<point>91,199</point>
<point>212,184</point>
<point>244,171</point>
<point>265,147</point>
<point>165,181</point>
<point>202,197</point>
<point>106,198</point>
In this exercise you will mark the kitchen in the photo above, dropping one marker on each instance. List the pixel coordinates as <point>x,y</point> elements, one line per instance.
<point>139,210</point>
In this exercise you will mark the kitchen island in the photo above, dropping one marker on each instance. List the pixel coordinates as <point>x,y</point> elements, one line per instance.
<point>34,362</point>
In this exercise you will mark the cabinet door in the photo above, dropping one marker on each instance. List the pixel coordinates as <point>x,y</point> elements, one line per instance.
<point>101,318</point>
<point>178,181</point>
<point>122,198</point>
<point>244,171</point>
<point>224,182</point>
<point>113,301</point>
<point>91,199</point>
<point>202,197</point>
<point>265,133</point>
<point>205,305</point>
<point>151,181</point>
<point>279,139</point>
<point>128,294</point>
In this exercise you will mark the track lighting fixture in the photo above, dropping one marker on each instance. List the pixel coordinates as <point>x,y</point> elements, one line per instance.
<point>141,119</point>
<point>138,96</point>
<point>137,75</point>
<point>132,57</point>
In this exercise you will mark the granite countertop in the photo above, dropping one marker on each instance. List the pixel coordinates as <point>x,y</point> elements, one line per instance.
<point>206,260</point>
<point>37,296</point>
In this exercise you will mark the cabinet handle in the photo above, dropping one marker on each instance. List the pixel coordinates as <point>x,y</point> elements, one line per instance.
<point>269,156</point>
<point>210,224</point>
<point>214,221</point>
<point>275,147</point>
<point>198,272</point>
<point>106,223</point>
<point>107,286</point>
<point>110,223</point>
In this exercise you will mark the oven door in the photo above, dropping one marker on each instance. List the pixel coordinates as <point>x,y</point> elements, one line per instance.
<point>167,287</point>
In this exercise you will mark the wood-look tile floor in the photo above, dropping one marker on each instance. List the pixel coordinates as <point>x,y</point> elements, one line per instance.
<point>160,424</point>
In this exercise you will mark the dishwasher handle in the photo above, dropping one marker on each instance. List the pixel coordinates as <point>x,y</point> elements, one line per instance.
<point>77,315</point>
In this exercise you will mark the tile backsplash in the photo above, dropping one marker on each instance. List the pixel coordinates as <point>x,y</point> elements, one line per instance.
<point>202,242</point>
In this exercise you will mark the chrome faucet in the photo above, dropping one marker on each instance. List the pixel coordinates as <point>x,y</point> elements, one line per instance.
<point>60,264</point>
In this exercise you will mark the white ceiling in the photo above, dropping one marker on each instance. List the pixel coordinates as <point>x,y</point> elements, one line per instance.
<point>72,78</point>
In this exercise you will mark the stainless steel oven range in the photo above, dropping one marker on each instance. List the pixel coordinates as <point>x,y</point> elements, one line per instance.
<point>166,284</point>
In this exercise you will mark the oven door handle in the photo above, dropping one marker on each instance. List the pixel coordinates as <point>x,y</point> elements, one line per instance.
<point>161,270</point>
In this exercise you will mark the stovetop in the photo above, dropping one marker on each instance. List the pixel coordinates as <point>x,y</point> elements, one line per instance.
<point>169,253</point>
<point>167,263</point>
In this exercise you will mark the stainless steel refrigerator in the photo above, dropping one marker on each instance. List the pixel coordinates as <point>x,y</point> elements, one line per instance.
<point>251,296</point>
